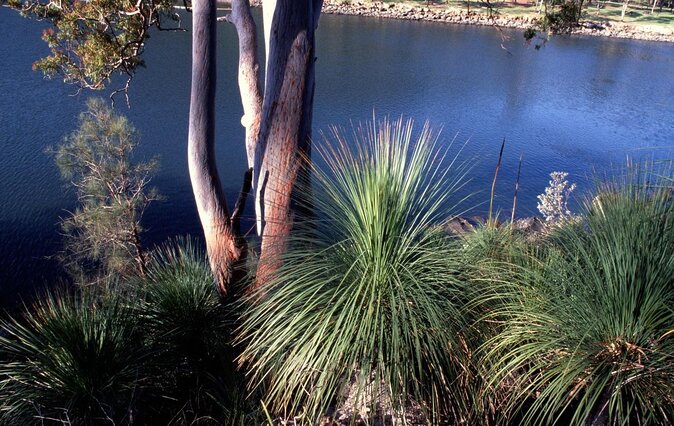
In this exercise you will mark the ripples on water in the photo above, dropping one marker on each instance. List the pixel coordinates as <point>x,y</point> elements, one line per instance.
<point>577,104</point>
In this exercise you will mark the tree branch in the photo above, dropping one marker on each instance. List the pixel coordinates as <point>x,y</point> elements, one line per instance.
<point>241,201</point>
<point>249,69</point>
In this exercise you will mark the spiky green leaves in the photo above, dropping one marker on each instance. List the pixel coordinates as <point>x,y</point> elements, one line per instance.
<point>367,297</point>
<point>68,360</point>
<point>588,339</point>
<point>180,307</point>
<point>151,351</point>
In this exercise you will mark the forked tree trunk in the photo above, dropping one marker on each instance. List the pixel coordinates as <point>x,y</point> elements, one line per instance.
<point>278,126</point>
<point>224,248</point>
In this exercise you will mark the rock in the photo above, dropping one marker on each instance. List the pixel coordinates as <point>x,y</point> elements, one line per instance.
<point>459,226</point>
<point>530,225</point>
<point>410,12</point>
<point>592,26</point>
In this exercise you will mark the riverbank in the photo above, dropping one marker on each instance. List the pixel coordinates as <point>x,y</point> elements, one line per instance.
<point>443,13</point>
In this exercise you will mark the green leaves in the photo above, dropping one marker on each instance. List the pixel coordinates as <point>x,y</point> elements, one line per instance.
<point>150,351</point>
<point>112,192</point>
<point>366,301</point>
<point>180,307</point>
<point>92,40</point>
<point>69,359</point>
<point>585,338</point>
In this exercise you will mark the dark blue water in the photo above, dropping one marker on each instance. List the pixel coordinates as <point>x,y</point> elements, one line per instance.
<point>577,105</point>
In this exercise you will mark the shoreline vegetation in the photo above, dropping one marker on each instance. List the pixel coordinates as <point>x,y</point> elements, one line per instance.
<point>470,323</point>
<point>600,21</point>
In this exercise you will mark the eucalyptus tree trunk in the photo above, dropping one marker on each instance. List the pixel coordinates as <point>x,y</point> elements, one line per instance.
<point>285,132</point>
<point>249,70</point>
<point>278,127</point>
<point>224,248</point>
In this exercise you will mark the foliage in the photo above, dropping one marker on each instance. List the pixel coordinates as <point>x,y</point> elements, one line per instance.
<point>588,338</point>
<point>70,360</point>
<point>112,193</point>
<point>554,203</point>
<point>493,258</point>
<point>561,17</point>
<point>367,301</point>
<point>92,40</point>
<point>151,351</point>
<point>188,328</point>
<point>180,308</point>
<point>489,243</point>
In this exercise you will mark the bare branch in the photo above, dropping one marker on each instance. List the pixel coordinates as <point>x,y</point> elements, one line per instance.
<point>240,205</point>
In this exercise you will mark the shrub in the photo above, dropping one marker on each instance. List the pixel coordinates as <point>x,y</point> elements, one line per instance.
<point>186,327</point>
<point>554,202</point>
<point>70,360</point>
<point>180,308</point>
<point>367,300</point>
<point>104,232</point>
<point>154,350</point>
<point>588,340</point>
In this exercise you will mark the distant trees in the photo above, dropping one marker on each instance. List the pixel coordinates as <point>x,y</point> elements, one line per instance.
<point>91,41</point>
<point>104,231</point>
<point>560,17</point>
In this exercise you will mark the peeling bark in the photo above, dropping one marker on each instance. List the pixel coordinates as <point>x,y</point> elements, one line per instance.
<point>285,131</point>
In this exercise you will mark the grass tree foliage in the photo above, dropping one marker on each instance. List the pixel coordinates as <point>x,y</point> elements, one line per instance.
<point>589,338</point>
<point>179,305</point>
<point>368,299</point>
<point>70,360</point>
<point>188,329</point>
<point>154,352</point>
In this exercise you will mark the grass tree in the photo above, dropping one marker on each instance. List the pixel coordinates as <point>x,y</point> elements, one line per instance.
<point>589,338</point>
<point>187,328</point>
<point>367,299</point>
<point>154,351</point>
<point>70,360</point>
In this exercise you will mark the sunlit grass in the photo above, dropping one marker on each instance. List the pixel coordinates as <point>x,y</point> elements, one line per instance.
<point>368,299</point>
<point>590,337</point>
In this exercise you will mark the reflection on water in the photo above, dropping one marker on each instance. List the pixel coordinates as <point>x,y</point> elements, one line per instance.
<point>577,104</point>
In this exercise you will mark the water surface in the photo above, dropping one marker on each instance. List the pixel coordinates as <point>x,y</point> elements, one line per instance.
<point>578,104</point>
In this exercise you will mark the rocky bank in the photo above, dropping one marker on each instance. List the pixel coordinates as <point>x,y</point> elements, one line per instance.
<point>442,14</point>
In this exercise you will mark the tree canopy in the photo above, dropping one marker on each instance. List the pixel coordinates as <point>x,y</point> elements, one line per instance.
<point>90,41</point>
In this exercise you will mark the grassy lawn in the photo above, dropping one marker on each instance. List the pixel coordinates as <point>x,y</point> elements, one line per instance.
<point>637,14</point>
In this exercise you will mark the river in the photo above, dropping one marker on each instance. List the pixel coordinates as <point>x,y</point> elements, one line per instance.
<point>579,104</point>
